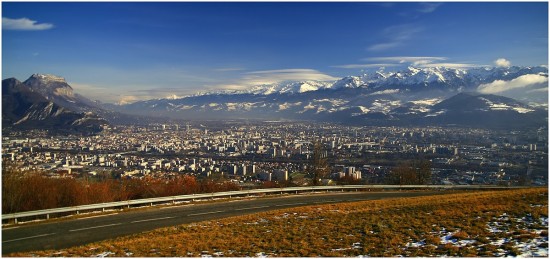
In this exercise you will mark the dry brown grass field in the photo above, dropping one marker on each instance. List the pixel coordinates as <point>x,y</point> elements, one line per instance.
<point>484,223</point>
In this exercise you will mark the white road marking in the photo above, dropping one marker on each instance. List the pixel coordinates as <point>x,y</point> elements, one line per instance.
<point>102,226</point>
<point>144,220</point>
<point>290,204</point>
<point>6,228</point>
<point>205,213</point>
<point>97,216</point>
<point>23,238</point>
<point>251,208</point>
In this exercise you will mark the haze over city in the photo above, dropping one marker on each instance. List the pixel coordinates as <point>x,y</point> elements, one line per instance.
<point>125,52</point>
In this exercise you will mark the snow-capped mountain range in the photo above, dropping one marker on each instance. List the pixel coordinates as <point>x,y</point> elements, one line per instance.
<point>411,77</point>
<point>476,97</point>
<point>412,95</point>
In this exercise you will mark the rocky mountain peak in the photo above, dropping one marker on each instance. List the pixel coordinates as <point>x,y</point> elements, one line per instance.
<point>49,85</point>
<point>46,78</point>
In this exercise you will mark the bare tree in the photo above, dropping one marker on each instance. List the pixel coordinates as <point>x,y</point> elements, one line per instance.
<point>318,168</point>
<point>415,172</point>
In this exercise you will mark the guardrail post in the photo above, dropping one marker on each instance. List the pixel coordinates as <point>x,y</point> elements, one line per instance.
<point>77,212</point>
<point>102,209</point>
<point>47,216</point>
<point>15,220</point>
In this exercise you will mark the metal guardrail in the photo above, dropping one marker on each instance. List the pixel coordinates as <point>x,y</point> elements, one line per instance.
<point>192,197</point>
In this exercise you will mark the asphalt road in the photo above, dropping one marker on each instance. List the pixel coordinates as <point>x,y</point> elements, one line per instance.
<point>69,233</point>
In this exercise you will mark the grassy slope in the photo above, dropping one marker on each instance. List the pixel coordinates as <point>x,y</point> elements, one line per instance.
<point>492,223</point>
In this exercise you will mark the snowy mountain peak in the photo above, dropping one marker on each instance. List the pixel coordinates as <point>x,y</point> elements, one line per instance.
<point>48,78</point>
<point>50,86</point>
<point>287,87</point>
<point>348,82</point>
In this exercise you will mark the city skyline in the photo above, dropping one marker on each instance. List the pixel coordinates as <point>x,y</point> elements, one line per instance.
<point>123,52</point>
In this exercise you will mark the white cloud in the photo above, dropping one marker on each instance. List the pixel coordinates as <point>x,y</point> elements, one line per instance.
<point>523,81</point>
<point>24,24</point>
<point>406,59</point>
<point>449,65</point>
<point>502,62</point>
<point>235,86</point>
<point>426,61</point>
<point>113,84</point>
<point>396,36</point>
<point>124,94</point>
<point>85,87</point>
<point>421,9</point>
<point>93,92</point>
<point>384,46</point>
<point>539,90</point>
<point>262,77</point>
<point>127,99</point>
<point>428,7</point>
<point>353,66</point>
<point>273,76</point>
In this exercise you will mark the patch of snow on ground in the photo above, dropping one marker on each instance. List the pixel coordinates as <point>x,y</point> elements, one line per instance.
<point>522,110</point>
<point>340,249</point>
<point>231,106</point>
<point>356,245</point>
<point>436,114</point>
<point>387,91</point>
<point>104,254</point>
<point>185,107</point>
<point>415,244</point>
<point>309,106</point>
<point>320,109</point>
<point>533,247</point>
<point>420,109</point>
<point>427,102</point>
<point>364,109</point>
<point>384,106</point>
<point>334,102</point>
<point>499,107</point>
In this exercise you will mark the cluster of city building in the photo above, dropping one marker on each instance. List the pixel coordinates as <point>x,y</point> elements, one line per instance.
<point>250,152</point>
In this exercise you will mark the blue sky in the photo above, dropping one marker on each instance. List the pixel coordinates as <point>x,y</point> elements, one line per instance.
<point>122,52</point>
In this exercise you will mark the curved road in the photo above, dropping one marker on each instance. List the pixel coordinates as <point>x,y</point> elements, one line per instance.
<point>68,233</point>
